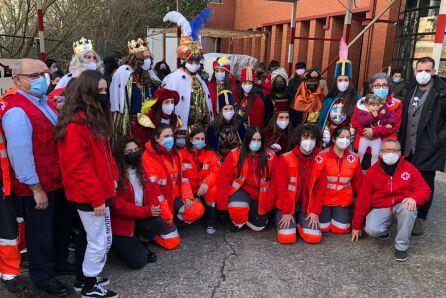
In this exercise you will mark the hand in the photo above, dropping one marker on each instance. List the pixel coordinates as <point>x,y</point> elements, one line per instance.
<point>188,203</point>
<point>156,210</point>
<point>389,126</point>
<point>276,147</point>
<point>202,190</point>
<point>367,132</point>
<point>115,185</point>
<point>41,199</point>
<point>285,222</point>
<point>356,234</point>
<point>410,203</point>
<point>100,210</point>
<point>169,223</point>
<point>314,220</point>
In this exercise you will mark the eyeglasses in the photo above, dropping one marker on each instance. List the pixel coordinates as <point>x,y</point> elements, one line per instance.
<point>34,75</point>
<point>385,86</point>
<point>390,150</point>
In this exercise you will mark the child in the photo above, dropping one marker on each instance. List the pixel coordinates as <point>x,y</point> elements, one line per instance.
<point>373,112</point>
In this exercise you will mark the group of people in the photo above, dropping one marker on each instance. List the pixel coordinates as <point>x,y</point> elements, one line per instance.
<point>127,161</point>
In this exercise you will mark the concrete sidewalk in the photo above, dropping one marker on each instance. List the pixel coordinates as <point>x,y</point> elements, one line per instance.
<point>248,264</point>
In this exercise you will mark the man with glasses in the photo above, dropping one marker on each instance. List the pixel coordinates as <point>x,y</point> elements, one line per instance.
<point>392,189</point>
<point>423,129</point>
<point>28,124</point>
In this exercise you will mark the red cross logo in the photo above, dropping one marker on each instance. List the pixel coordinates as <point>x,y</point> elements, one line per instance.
<point>405,176</point>
<point>318,159</point>
<point>351,159</point>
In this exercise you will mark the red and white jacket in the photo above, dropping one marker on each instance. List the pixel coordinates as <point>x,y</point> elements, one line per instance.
<point>379,190</point>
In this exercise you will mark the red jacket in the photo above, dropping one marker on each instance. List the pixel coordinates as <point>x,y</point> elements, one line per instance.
<point>379,190</point>
<point>44,148</point>
<point>292,183</point>
<point>213,90</point>
<point>256,112</point>
<point>88,168</point>
<point>124,212</point>
<point>267,85</point>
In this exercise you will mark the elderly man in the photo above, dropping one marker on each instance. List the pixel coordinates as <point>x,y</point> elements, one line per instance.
<point>28,124</point>
<point>391,190</point>
<point>423,129</point>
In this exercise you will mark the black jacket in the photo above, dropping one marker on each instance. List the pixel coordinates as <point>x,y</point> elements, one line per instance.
<point>430,150</point>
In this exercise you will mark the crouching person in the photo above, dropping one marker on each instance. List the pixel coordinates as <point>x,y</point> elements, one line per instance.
<point>292,186</point>
<point>163,166</point>
<point>135,213</point>
<point>391,190</point>
<point>244,184</point>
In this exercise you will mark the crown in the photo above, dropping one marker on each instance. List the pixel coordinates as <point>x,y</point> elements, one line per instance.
<point>137,46</point>
<point>82,45</point>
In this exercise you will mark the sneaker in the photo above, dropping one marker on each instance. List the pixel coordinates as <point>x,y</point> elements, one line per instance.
<point>78,284</point>
<point>384,237</point>
<point>210,230</point>
<point>15,285</point>
<point>400,255</point>
<point>98,291</point>
<point>418,227</point>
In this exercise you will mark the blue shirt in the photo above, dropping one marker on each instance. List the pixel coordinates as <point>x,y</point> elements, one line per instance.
<point>19,135</point>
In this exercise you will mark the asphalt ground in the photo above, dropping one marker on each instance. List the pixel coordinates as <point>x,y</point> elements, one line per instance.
<point>248,264</point>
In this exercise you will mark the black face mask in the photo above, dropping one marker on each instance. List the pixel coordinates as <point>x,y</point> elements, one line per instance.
<point>133,158</point>
<point>312,87</point>
<point>104,99</point>
<point>279,87</point>
<point>259,73</point>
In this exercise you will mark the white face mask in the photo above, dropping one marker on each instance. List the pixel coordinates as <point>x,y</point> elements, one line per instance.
<point>342,86</point>
<point>147,64</point>
<point>308,145</point>
<point>92,65</point>
<point>220,77</point>
<point>168,108</point>
<point>247,88</point>
<point>228,115</point>
<point>342,143</point>
<point>193,68</point>
<point>282,123</point>
<point>423,77</point>
<point>390,158</point>
<point>300,71</point>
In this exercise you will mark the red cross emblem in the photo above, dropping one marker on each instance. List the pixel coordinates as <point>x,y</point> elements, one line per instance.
<point>318,159</point>
<point>351,159</point>
<point>405,176</point>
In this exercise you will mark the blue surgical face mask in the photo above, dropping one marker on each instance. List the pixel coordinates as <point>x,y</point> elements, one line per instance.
<point>381,92</point>
<point>254,146</point>
<point>39,86</point>
<point>397,79</point>
<point>167,143</point>
<point>199,144</point>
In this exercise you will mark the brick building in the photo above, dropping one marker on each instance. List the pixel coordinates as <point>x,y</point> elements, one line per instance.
<point>320,19</point>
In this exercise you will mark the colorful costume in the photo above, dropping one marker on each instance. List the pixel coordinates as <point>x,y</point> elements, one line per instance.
<point>215,88</point>
<point>251,108</point>
<point>276,135</point>
<point>307,101</point>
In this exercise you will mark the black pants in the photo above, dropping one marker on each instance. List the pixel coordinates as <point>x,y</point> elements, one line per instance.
<point>130,249</point>
<point>429,177</point>
<point>8,220</point>
<point>47,234</point>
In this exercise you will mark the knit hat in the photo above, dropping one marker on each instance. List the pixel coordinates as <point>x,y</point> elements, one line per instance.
<point>225,98</point>
<point>248,74</point>
<point>343,66</point>
<point>222,63</point>
<point>279,72</point>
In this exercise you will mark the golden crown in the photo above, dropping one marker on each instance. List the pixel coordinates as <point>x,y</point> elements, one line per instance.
<point>82,45</point>
<point>137,46</point>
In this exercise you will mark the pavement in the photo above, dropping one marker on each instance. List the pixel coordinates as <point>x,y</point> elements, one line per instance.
<point>249,264</point>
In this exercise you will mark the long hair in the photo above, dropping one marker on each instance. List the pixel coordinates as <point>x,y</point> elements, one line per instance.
<point>349,97</point>
<point>135,61</point>
<point>118,153</point>
<point>251,97</point>
<point>226,83</point>
<point>194,132</point>
<point>82,96</point>
<point>244,151</point>
<point>78,63</point>
<point>219,122</point>
<point>276,129</point>
<point>157,133</point>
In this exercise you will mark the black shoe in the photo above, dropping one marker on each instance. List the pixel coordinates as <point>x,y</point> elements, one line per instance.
<point>68,269</point>
<point>24,259</point>
<point>15,285</point>
<point>151,256</point>
<point>234,228</point>
<point>384,237</point>
<point>400,255</point>
<point>98,291</point>
<point>78,284</point>
<point>54,288</point>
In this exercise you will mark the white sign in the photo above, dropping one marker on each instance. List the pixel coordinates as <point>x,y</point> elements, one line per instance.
<point>6,81</point>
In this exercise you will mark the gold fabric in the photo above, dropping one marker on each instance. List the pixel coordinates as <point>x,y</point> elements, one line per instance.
<point>199,112</point>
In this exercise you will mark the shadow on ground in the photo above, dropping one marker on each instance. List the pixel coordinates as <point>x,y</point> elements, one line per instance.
<point>250,264</point>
